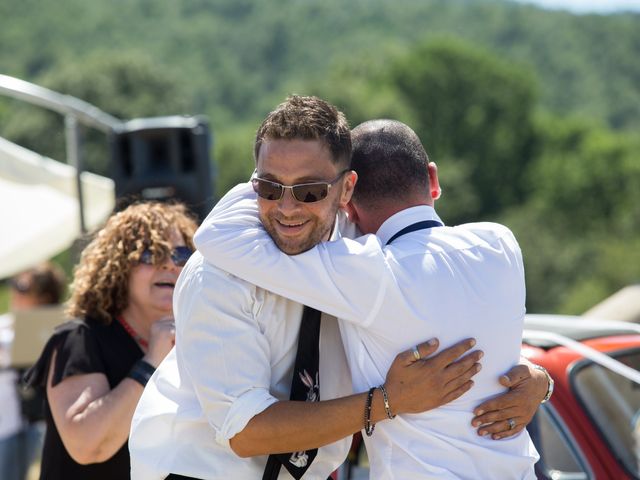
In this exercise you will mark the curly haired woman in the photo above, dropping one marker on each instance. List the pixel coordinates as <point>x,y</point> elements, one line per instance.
<point>94,368</point>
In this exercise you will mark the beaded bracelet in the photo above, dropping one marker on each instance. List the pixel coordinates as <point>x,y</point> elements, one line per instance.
<point>385,398</point>
<point>141,372</point>
<point>368,426</point>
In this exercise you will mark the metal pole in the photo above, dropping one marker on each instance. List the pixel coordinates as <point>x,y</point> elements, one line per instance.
<point>74,158</point>
<point>63,104</point>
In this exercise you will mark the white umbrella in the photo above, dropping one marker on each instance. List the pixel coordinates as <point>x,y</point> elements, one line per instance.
<point>39,208</point>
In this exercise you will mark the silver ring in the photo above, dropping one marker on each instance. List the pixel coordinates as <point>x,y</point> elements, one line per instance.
<point>512,423</point>
<point>416,353</point>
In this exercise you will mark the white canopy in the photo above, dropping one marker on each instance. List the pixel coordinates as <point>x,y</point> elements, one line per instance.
<point>39,211</point>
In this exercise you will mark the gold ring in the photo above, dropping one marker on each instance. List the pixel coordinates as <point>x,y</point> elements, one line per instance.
<point>416,353</point>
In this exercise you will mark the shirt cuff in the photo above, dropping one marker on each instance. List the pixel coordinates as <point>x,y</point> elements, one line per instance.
<point>243,409</point>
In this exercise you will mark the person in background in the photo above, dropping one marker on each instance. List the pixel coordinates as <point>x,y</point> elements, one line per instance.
<point>21,426</point>
<point>94,367</point>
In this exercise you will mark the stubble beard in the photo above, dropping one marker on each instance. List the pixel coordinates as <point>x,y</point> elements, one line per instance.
<point>293,246</point>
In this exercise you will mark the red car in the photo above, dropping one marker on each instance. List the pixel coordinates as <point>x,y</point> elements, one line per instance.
<point>590,429</point>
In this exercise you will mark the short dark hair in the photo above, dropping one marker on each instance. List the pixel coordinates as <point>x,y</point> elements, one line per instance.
<point>390,161</point>
<point>46,283</point>
<point>308,118</point>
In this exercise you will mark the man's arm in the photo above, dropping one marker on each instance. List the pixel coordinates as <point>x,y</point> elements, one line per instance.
<point>413,386</point>
<point>223,350</point>
<point>233,239</point>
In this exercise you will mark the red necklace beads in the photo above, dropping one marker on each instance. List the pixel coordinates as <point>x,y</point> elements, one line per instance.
<point>141,341</point>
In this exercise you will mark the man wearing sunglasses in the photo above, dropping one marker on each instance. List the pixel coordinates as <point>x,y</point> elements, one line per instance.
<point>230,373</point>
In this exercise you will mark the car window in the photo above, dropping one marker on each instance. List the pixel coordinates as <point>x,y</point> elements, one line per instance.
<point>613,403</point>
<point>560,457</point>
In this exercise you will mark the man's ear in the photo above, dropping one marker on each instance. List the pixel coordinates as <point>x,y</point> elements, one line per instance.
<point>351,211</point>
<point>348,185</point>
<point>434,184</point>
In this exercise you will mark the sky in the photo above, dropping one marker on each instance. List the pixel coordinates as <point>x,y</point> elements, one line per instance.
<point>588,6</point>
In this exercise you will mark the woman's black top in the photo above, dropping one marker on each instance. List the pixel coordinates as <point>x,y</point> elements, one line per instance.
<point>83,347</point>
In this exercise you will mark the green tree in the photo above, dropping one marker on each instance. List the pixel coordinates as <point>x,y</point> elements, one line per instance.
<point>578,229</point>
<point>475,108</point>
<point>234,156</point>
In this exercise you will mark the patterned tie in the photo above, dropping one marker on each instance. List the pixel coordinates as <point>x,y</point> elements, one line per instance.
<point>305,386</point>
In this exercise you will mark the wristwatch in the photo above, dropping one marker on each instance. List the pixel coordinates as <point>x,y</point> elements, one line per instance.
<point>549,380</point>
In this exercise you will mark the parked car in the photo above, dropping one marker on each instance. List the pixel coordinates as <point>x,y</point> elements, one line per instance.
<point>590,428</point>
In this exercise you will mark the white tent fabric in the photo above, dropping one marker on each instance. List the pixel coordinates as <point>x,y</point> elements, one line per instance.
<point>39,210</point>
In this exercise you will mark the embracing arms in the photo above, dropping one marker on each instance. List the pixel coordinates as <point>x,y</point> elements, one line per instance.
<point>413,386</point>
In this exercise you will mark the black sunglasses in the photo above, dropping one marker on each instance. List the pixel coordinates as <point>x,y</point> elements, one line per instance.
<point>179,256</point>
<point>302,192</point>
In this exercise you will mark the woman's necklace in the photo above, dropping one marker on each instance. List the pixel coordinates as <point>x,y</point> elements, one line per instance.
<point>141,341</point>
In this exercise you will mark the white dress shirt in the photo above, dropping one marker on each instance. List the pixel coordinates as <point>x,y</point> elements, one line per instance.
<point>234,356</point>
<point>447,282</point>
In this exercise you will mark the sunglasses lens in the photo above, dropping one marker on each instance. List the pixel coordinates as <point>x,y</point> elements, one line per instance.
<point>266,189</point>
<point>312,192</point>
<point>146,257</point>
<point>180,256</point>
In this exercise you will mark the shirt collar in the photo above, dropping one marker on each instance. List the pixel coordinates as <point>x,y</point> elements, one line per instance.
<point>404,218</point>
<point>341,218</point>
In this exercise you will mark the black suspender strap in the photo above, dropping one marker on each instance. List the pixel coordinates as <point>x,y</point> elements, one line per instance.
<point>415,226</point>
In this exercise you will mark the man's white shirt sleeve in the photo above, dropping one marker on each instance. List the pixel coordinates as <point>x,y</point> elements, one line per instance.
<point>222,350</point>
<point>345,278</point>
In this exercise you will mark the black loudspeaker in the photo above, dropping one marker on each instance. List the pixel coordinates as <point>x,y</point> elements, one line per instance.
<point>163,158</point>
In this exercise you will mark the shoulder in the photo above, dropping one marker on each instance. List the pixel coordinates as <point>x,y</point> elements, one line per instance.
<point>488,232</point>
<point>71,340</point>
<point>201,285</point>
<point>200,275</point>
<point>78,333</point>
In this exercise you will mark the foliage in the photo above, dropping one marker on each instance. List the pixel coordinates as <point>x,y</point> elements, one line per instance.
<point>470,105</point>
<point>578,228</point>
<point>234,157</point>
<point>4,298</point>
<point>234,57</point>
<point>124,85</point>
<point>531,115</point>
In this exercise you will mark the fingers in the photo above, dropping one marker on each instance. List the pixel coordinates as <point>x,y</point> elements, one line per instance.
<point>457,392</point>
<point>445,357</point>
<point>448,355</point>
<point>424,349</point>
<point>503,428</point>
<point>462,378</point>
<point>501,402</point>
<point>495,416</point>
<point>517,374</point>
<point>464,364</point>
<point>165,321</point>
